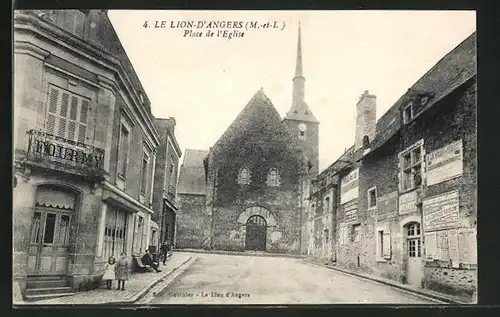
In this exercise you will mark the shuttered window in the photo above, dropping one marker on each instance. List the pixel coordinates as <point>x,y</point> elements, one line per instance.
<point>67,115</point>
<point>123,151</point>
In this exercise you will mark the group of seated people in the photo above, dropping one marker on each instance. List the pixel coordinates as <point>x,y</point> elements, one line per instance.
<point>148,261</point>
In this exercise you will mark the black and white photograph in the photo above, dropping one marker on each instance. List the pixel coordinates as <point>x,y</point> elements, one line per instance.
<point>258,157</point>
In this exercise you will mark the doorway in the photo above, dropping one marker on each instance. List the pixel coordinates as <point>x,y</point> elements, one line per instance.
<point>256,231</point>
<point>49,240</point>
<point>414,264</point>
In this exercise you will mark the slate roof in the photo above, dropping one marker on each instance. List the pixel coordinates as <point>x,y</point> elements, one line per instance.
<point>453,70</point>
<point>258,103</point>
<point>192,173</point>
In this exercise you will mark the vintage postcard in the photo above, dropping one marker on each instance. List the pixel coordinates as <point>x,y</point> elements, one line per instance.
<point>244,157</point>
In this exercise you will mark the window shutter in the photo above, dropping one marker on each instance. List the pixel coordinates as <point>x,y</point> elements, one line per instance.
<point>51,123</point>
<point>82,129</point>
<point>84,111</point>
<point>71,130</point>
<point>54,93</point>
<point>74,108</point>
<point>386,245</point>
<point>61,131</point>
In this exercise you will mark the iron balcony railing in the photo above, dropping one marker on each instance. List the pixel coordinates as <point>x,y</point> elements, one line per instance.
<point>59,153</point>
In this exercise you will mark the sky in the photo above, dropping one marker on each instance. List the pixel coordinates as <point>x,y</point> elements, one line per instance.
<point>204,82</point>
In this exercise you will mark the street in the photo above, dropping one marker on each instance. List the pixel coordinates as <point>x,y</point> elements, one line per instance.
<point>231,279</point>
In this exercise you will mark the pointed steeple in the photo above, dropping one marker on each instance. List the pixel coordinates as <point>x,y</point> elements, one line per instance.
<point>298,64</point>
<point>299,110</point>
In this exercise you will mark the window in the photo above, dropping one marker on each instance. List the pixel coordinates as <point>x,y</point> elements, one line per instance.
<point>355,234</point>
<point>153,237</point>
<point>326,236</point>
<point>115,233</point>
<point>302,135</point>
<point>144,174</point>
<point>273,178</point>
<point>408,113</point>
<point>380,241</point>
<point>139,235</point>
<point>172,170</point>
<point>123,150</point>
<point>244,176</point>
<point>327,204</point>
<point>372,197</point>
<point>67,115</point>
<point>383,245</point>
<point>411,168</point>
<point>413,238</point>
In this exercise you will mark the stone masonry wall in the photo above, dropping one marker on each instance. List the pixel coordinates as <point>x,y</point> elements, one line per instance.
<point>193,224</point>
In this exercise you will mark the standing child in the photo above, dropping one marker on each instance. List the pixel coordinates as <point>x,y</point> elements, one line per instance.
<point>109,272</point>
<point>122,271</point>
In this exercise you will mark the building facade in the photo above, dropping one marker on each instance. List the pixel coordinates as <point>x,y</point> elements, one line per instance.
<point>407,200</point>
<point>83,137</point>
<point>193,223</point>
<point>165,202</point>
<point>250,190</point>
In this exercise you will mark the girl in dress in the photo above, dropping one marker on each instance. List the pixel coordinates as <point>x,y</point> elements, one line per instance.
<point>122,271</point>
<point>109,271</point>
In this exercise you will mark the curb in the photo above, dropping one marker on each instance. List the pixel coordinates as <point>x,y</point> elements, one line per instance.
<point>171,278</point>
<point>145,289</point>
<point>284,255</point>
<point>416,292</point>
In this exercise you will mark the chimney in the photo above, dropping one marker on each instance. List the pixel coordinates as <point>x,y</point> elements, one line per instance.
<point>366,118</point>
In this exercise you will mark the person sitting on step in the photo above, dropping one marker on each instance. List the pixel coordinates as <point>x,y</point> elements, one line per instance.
<point>147,259</point>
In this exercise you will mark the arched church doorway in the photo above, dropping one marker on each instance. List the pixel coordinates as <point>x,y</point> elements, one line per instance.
<point>256,233</point>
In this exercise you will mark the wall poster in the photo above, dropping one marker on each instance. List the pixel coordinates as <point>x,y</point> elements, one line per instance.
<point>441,212</point>
<point>445,163</point>
<point>349,187</point>
<point>407,203</point>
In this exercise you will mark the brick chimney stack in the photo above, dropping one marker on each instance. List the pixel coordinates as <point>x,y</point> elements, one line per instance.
<point>366,119</point>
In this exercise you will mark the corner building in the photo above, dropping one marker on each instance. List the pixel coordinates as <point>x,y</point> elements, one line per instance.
<point>84,150</point>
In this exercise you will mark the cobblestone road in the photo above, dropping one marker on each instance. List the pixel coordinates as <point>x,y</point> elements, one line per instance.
<point>227,279</point>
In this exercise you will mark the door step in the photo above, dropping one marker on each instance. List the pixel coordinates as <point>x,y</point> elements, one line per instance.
<point>46,283</point>
<point>34,294</point>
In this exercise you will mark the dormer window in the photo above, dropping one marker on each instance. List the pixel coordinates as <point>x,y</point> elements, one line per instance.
<point>244,176</point>
<point>408,113</point>
<point>273,178</point>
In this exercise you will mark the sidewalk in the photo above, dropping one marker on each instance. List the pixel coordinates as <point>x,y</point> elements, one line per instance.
<point>444,298</point>
<point>136,287</point>
<point>246,253</point>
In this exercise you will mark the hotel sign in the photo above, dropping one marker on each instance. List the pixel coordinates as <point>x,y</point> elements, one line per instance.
<point>445,163</point>
<point>52,149</point>
<point>349,187</point>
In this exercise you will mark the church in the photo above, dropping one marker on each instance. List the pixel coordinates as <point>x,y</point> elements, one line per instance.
<point>249,190</point>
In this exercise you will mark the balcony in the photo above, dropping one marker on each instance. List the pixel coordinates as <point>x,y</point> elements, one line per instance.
<point>56,153</point>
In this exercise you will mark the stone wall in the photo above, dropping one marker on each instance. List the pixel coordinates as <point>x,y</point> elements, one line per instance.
<point>193,224</point>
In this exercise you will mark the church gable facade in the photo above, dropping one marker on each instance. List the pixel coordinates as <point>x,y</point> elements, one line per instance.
<point>255,170</point>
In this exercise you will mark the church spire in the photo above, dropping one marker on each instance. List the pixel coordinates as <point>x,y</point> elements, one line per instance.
<point>298,64</point>
<point>299,110</point>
